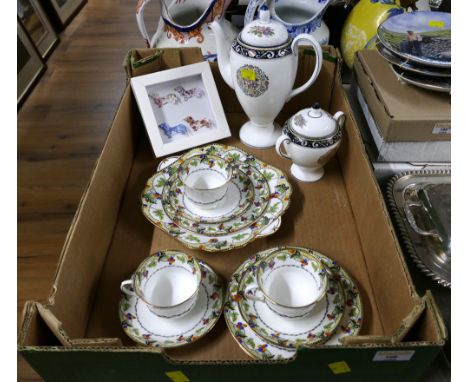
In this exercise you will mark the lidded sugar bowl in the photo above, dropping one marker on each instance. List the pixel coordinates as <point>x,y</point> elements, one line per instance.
<point>261,67</point>
<point>310,138</point>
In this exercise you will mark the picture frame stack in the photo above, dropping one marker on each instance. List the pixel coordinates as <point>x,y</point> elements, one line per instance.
<point>37,26</point>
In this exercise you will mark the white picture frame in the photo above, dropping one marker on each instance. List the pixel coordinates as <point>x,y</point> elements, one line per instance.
<point>181,108</point>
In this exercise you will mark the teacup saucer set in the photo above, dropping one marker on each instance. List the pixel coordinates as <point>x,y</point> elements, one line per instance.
<point>217,198</point>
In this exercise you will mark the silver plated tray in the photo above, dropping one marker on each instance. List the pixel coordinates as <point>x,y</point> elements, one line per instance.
<point>420,203</point>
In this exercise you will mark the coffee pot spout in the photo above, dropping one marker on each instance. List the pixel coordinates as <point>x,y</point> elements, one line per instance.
<point>222,51</point>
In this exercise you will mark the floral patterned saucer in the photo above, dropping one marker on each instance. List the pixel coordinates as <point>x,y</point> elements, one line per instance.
<point>248,176</point>
<point>277,197</point>
<point>144,327</point>
<point>314,328</point>
<point>352,317</point>
<point>250,342</point>
<point>240,195</point>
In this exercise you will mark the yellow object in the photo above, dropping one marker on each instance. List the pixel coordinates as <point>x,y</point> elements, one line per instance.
<point>360,28</point>
<point>339,367</point>
<point>177,376</point>
<point>248,74</point>
<point>436,24</point>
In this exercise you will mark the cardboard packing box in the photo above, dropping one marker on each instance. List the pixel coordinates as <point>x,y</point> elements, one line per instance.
<point>76,336</point>
<point>402,112</point>
<point>414,152</point>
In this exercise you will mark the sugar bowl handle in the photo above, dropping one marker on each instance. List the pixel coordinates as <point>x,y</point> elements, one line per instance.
<point>283,139</point>
<point>318,62</point>
<point>340,117</point>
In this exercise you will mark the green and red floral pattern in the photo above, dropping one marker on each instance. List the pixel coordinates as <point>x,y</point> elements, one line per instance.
<point>254,182</point>
<point>277,198</point>
<point>135,317</point>
<point>250,341</point>
<point>320,327</point>
<point>174,197</point>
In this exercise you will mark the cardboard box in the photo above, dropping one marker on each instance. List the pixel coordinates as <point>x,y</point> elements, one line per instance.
<point>76,334</point>
<point>401,112</point>
<point>383,171</point>
<point>428,151</point>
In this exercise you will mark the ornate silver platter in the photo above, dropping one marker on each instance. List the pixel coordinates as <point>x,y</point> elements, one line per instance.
<point>420,204</point>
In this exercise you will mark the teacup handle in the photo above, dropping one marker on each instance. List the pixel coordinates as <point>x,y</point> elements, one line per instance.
<point>318,62</point>
<point>127,288</point>
<point>250,293</point>
<point>283,139</point>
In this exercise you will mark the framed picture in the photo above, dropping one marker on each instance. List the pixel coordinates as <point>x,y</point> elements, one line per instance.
<point>181,108</point>
<point>29,64</point>
<point>65,9</point>
<point>37,26</point>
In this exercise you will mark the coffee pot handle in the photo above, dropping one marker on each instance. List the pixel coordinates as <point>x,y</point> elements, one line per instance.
<point>140,8</point>
<point>318,62</point>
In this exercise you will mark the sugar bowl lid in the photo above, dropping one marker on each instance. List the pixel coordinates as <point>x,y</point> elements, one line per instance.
<point>313,123</point>
<point>314,127</point>
<point>264,32</point>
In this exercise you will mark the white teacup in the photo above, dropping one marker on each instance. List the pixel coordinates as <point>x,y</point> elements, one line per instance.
<point>205,179</point>
<point>167,282</point>
<point>290,281</point>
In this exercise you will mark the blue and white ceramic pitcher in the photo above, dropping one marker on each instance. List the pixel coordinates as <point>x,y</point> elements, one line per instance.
<point>298,16</point>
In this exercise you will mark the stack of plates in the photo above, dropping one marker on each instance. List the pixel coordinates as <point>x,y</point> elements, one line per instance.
<point>256,198</point>
<point>265,335</point>
<point>418,47</point>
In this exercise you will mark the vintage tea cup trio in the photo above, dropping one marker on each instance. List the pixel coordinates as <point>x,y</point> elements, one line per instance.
<point>173,299</point>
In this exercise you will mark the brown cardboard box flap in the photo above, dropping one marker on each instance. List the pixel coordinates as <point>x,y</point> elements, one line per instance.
<point>145,61</point>
<point>57,329</point>
<point>402,101</point>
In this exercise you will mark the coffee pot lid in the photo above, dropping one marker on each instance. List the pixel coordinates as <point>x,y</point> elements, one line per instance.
<point>264,32</point>
<point>313,123</point>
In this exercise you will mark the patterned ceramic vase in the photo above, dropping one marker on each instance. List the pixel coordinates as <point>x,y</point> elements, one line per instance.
<point>184,23</point>
<point>298,16</point>
<point>360,28</point>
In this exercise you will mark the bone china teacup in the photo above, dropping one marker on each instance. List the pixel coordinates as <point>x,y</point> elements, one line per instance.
<point>205,179</point>
<point>290,281</point>
<point>167,282</point>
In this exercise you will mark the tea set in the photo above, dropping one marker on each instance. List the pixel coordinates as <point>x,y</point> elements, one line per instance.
<point>217,198</point>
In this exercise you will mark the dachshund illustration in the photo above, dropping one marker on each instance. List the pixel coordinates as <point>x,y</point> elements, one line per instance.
<point>199,123</point>
<point>171,131</point>
<point>187,94</point>
<point>161,101</point>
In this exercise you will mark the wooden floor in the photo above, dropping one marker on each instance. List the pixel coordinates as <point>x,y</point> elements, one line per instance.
<point>61,130</point>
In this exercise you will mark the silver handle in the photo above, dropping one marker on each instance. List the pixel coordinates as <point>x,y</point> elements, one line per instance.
<point>412,222</point>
